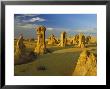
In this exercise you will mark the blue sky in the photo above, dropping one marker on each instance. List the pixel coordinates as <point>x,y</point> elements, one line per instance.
<point>55,24</point>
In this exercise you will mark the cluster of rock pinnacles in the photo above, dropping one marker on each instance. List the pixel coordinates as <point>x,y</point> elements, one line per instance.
<point>86,64</point>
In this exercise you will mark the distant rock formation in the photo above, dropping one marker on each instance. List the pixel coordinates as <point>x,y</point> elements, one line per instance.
<point>69,41</point>
<point>52,40</point>
<point>63,39</point>
<point>93,39</point>
<point>88,38</point>
<point>86,65</point>
<point>81,43</point>
<point>75,39</point>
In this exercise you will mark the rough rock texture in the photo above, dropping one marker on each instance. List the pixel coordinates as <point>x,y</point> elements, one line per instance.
<point>63,39</point>
<point>75,39</point>
<point>21,55</point>
<point>88,38</point>
<point>41,45</point>
<point>52,40</point>
<point>20,47</point>
<point>81,43</point>
<point>86,65</point>
<point>93,39</point>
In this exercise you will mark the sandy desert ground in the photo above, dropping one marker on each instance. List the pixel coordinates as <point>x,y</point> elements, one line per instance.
<point>59,61</point>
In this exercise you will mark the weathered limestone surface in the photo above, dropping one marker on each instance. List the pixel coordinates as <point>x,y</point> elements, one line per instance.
<point>86,65</point>
<point>52,40</point>
<point>88,38</point>
<point>20,47</point>
<point>69,41</point>
<point>40,46</point>
<point>63,39</point>
<point>75,39</point>
<point>21,54</point>
<point>93,39</point>
<point>81,43</point>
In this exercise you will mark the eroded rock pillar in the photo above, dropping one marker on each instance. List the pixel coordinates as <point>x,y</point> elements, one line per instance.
<point>63,39</point>
<point>20,47</point>
<point>40,46</point>
<point>81,43</point>
<point>52,40</point>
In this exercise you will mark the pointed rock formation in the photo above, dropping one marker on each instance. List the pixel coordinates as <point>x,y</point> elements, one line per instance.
<point>88,38</point>
<point>52,40</point>
<point>86,65</point>
<point>20,47</point>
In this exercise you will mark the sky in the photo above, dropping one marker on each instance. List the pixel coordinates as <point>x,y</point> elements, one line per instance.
<point>55,24</point>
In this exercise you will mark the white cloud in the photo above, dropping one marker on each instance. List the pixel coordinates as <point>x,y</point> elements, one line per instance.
<point>37,19</point>
<point>34,19</point>
<point>50,29</point>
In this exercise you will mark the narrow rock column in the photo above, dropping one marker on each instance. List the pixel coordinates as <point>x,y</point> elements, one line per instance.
<point>81,43</point>
<point>63,39</point>
<point>41,46</point>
